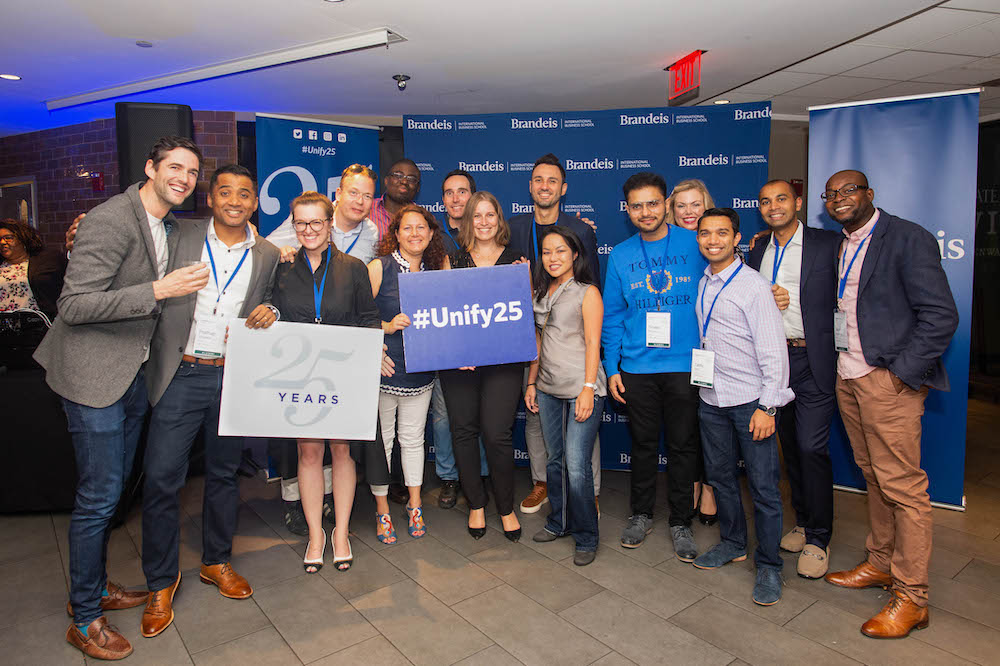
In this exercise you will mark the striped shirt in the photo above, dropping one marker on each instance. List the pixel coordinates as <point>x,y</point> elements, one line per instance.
<point>380,216</point>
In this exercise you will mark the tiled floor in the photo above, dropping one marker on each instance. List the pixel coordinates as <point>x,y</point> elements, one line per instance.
<point>448,599</point>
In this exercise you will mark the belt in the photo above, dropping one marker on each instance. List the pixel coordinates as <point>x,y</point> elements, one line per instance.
<point>795,342</point>
<point>217,362</point>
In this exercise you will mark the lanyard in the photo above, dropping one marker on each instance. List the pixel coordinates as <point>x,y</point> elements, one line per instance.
<point>843,276</point>
<point>778,258</point>
<point>215,275</point>
<point>318,291</point>
<point>534,236</point>
<point>355,242</point>
<point>708,317</point>
<point>658,279</point>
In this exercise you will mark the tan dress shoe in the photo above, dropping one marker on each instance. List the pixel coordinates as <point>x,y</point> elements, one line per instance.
<point>231,585</point>
<point>118,599</point>
<point>159,611</point>
<point>861,576</point>
<point>899,617</point>
<point>794,541</point>
<point>813,561</point>
<point>101,642</point>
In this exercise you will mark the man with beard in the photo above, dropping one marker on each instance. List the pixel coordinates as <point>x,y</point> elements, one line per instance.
<point>401,185</point>
<point>456,188</point>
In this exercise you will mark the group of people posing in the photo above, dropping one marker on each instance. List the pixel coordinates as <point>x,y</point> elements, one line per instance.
<point>686,335</point>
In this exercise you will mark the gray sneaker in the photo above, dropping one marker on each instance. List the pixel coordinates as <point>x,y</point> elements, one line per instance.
<point>684,546</point>
<point>635,532</point>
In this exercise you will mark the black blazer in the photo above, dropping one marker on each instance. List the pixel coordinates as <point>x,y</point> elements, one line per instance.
<point>817,298</point>
<point>522,231</point>
<point>45,277</point>
<point>906,311</point>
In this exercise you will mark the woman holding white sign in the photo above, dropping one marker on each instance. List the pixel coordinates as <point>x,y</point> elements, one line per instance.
<point>411,244</point>
<point>325,286</point>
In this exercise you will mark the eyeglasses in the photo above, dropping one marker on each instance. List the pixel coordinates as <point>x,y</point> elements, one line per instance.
<point>639,205</point>
<point>355,195</point>
<point>8,239</point>
<point>315,225</point>
<point>845,191</point>
<point>399,175</point>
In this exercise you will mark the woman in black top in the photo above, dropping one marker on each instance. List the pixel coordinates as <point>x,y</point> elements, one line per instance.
<point>31,276</point>
<point>483,400</point>
<point>346,300</point>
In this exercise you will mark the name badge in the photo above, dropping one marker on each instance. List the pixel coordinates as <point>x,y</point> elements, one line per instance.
<point>210,337</point>
<point>658,329</point>
<point>702,367</point>
<point>840,330</point>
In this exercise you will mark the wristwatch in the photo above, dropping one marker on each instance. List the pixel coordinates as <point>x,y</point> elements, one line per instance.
<point>770,411</point>
<point>591,385</point>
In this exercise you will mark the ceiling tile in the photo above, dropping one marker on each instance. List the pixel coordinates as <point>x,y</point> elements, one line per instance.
<point>979,5</point>
<point>839,87</point>
<point>974,73</point>
<point>980,40</point>
<point>780,82</point>
<point>842,59</point>
<point>925,27</point>
<point>910,64</point>
<point>797,104</point>
<point>905,88</point>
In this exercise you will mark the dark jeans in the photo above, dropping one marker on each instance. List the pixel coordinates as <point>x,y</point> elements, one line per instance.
<point>655,401</point>
<point>484,401</point>
<point>569,471</point>
<point>104,440</point>
<point>190,402</point>
<point>804,432</point>
<point>726,438</point>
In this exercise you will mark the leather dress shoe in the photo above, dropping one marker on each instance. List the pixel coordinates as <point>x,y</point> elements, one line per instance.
<point>231,585</point>
<point>861,576</point>
<point>118,599</point>
<point>899,617</point>
<point>102,640</point>
<point>159,611</point>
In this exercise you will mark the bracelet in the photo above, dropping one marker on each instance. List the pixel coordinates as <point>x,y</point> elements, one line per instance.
<point>591,385</point>
<point>531,383</point>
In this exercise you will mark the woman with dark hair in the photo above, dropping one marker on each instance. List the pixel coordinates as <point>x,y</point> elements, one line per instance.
<point>31,277</point>
<point>483,400</point>
<point>412,243</point>
<point>567,386</point>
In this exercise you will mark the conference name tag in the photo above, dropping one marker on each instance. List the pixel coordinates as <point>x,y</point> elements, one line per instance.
<point>658,329</point>
<point>840,330</point>
<point>210,337</point>
<point>702,368</point>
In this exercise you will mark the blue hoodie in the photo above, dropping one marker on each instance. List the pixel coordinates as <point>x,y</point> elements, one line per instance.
<point>629,294</point>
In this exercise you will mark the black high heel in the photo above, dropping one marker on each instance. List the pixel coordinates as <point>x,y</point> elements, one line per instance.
<point>706,519</point>
<point>512,535</point>
<point>477,532</point>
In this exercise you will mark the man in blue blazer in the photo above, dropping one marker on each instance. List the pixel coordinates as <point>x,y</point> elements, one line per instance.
<point>800,263</point>
<point>895,318</point>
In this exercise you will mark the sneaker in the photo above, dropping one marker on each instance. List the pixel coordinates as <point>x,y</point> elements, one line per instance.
<point>544,536</point>
<point>538,496</point>
<point>635,532</point>
<point>718,555</point>
<point>328,514</point>
<point>813,561</point>
<point>449,494</point>
<point>767,589</point>
<point>295,520</point>
<point>582,558</point>
<point>794,541</point>
<point>684,546</point>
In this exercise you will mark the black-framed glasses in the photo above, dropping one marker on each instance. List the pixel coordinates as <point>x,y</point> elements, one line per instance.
<point>399,175</point>
<point>845,191</point>
<point>315,225</point>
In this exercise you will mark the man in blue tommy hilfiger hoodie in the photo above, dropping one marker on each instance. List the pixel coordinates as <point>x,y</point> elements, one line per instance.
<point>649,331</point>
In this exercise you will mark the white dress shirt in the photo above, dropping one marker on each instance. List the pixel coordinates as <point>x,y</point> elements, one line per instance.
<point>789,274</point>
<point>231,302</point>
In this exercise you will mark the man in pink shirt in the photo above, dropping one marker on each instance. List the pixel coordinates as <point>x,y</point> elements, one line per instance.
<point>895,317</point>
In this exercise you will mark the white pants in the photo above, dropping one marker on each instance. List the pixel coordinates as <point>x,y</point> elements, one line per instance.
<point>411,413</point>
<point>290,487</point>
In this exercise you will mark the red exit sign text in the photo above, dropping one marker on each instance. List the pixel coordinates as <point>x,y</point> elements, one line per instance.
<point>685,78</point>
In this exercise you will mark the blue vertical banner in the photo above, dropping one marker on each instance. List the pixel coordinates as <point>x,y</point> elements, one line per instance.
<point>920,156</point>
<point>298,154</point>
<point>726,147</point>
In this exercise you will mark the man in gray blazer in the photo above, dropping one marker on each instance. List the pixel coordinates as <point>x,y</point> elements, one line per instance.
<point>185,387</point>
<point>94,355</point>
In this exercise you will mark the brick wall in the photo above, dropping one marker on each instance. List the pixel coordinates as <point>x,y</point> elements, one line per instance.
<point>58,159</point>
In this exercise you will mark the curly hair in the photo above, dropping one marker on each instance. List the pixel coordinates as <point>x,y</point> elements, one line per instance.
<point>28,237</point>
<point>434,255</point>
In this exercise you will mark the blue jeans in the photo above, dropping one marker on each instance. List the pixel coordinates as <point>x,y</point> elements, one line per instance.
<point>725,438</point>
<point>444,455</point>
<point>104,441</point>
<point>569,472</point>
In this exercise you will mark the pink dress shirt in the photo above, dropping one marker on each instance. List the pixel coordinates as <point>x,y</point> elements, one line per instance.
<point>852,364</point>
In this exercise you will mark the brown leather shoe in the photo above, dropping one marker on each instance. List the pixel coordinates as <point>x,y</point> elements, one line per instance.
<point>118,599</point>
<point>231,585</point>
<point>861,576</point>
<point>101,642</point>
<point>899,617</point>
<point>159,611</point>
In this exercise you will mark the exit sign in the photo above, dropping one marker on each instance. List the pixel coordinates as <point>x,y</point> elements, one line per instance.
<point>685,78</point>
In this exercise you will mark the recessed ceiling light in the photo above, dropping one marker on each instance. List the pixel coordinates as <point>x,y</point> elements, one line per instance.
<point>334,0</point>
<point>722,101</point>
<point>143,44</point>
<point>10,77</point>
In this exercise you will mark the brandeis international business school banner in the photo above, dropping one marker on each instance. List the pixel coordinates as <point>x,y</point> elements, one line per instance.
<point>920,156</point>
<point>724,146</point>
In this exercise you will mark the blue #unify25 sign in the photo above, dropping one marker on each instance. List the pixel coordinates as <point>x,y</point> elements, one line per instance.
<point>467,317</point>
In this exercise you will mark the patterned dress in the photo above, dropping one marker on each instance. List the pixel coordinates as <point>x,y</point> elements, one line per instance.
<point>15,292</point>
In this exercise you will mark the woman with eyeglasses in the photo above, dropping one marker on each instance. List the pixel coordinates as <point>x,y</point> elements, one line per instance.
<point>483,400</point>
<point>31,276</point>
<point>325,286</point>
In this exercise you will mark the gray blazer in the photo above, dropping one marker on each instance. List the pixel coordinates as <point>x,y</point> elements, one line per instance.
<point>107,312</point>
<point>178,313</point>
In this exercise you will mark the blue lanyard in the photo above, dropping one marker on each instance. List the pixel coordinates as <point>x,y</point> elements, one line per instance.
<point>657,278</point>
<point>318,291</point>
<point>215,275</point>
<point>778,258</point>
<point>534,235</point>
<point>708,317</point>
<point>843,276</point>
<point>356,239</point>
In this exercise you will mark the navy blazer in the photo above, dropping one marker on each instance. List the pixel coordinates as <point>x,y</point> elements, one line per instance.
<point>522,232</point>
<point>817,298</point>
<point>906,311</point>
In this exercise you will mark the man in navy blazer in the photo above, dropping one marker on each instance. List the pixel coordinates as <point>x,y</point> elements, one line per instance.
<point>800,262</point>
<point>895,318</point>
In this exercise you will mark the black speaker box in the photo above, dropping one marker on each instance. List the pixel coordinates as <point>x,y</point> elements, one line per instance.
<point>139,125</point>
